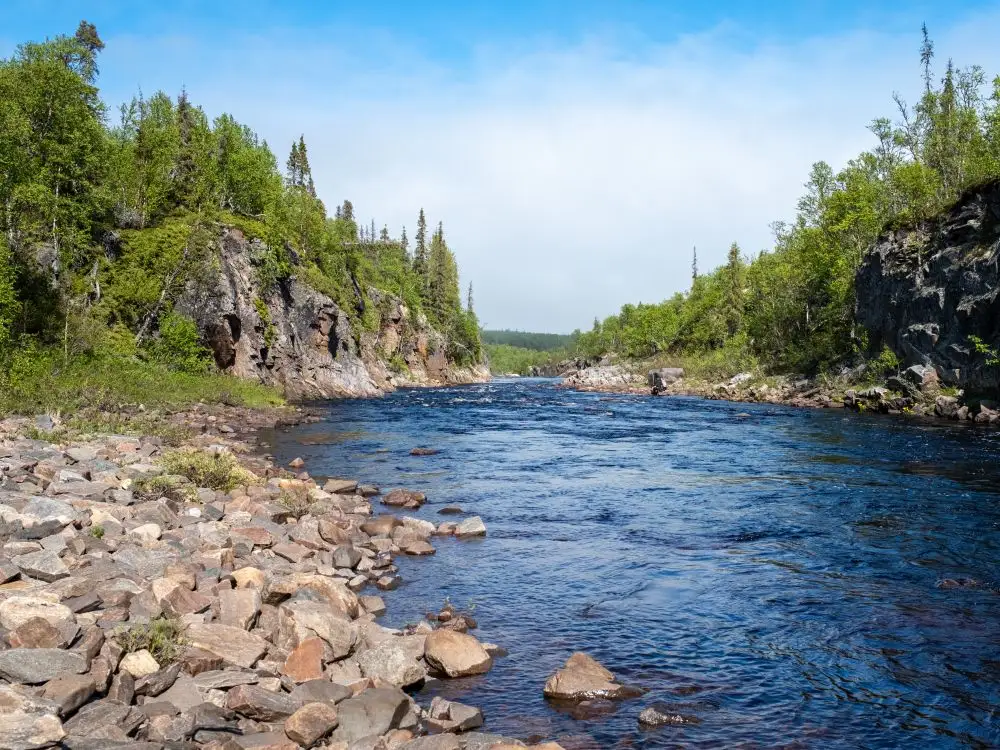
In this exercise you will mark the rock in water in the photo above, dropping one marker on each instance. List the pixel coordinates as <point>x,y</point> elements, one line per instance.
<point>470,527</point>
<point>583,678</point>
<point>456,654</point>
<point>660,714</point>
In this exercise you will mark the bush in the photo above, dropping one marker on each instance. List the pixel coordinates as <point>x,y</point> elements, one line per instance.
<point>217,471</point>
<point>179,345</point>
<point>162,637</point>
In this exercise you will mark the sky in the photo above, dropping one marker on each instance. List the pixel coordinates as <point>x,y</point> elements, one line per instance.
<point>575,151</point>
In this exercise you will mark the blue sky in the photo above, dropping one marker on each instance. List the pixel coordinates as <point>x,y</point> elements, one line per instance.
<point>575,151</point>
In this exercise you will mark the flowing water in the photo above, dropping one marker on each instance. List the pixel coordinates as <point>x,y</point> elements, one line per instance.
<point>780,575</point>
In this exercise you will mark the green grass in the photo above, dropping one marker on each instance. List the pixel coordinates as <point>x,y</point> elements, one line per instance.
<point>37,381</point>
<point>162,637</point>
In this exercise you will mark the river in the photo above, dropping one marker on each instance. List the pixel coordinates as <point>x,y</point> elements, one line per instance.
<point>784,576</point>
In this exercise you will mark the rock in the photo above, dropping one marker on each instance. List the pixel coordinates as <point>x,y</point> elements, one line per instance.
<point>266,741</point>
<point>374,712</point>
<point>922,376</point>
<point>234,645</point>
<point>148,532</point>
<point>259,704</point>
<point>305,663</point>
<point>321,691</point>
<point>373,605</point>
<point>661,714</point>
<point>387,583</point>
<point>346,556</point>
<point>340,486</point>
<point>457,716</point>
<point>451,510</point>
<point>946,406</point>
<point>239,607</point>
<point>395,660</point>
<point>658,380</point>
<point>33,666</point>
<point>104,720</point>
<point>20,730</point>
<point>583,678</point>
<point>139,663</point>
<point>456,654</point>
<point>296,463</point>
<point>69,692</point>
<point>381,526</point>
<point>311,723</point>
<point>404,499</point>
<point>300,619</point>
<point>19,609</point>
<point>416,547</point>
<point>47,511</point>
<point>44,565</point>
<point>424,451</point>
<point>250,578</point>
<point>470,527</point>
<point>40,633</point>
<point>434,742</point>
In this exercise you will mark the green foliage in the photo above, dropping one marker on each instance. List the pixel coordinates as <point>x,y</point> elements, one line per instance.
<point>162,637</point>
<point>884,365</point>
<point>97,531</point>
<point>792,309</point>
<point>542,342</point>
<point>179,346</point>
<point>8,296</point>
<point>215,470</point>
<point>505,359</point>
<point>264,313</point>
<point>990,355</point>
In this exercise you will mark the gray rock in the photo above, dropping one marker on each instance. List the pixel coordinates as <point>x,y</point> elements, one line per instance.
<point>44,565</point>
<point>33,666</point>
<point>233,644</point>
<point>104,720</point>
<point>20,730</point>
<point>395,661</point>
<point>70,692</point>
<point>321,691</point>
<point>434,742</point>
<point>261,705</point>
<point>374,712</point>
<point>46,510</point>
<point>470,527</point>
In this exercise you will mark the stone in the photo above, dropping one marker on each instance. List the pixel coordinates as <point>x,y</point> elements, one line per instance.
<point>249,578</point>
<point>40,633</point>
<point>346,556</point>
<point>194,661</point>
<point>122,688</point>
<point>416,547</point>
<point>69,692</point>
<point>458,716</point>
<point>148,532</point>
<point>340,486</point>
<point>266,741</point>
<point>373,605</point>
<point>20,730</point>
<point>139,663</point>
<point>239,607</point>
<point>661,714</point>
<point>434,742</point>
<point>373,712</point>
<point>33,666</point>
<point>387,583</point>
<point>234,645</point>
<point>455,654</point>
<point>305,663</point>
<point>311,723</point>
<point>424,451</point>
<point>470,527</point>
<point>154,684</point>
<point>45,511</point>
<point>583,678</point>
<point>18,609</point>
<point>296,463</point>
<point>451,510</point>
<point>299,619</point>
<point>292,552</point>
<point>395,661</point>
<point>321,691</point>
<point>659,379</point>
<point>45,565</point>
<point>104,720</point>
<point>259,704</point>
<point>404,499</point>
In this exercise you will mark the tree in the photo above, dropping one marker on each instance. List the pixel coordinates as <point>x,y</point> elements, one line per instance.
<point>420,259</point>
<point>694,265</point>
<point>734,290</point>
<point>404,244</point>
<point>468,299</point>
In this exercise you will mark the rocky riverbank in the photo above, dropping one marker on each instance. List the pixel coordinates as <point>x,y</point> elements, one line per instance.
<point>915,391</point>
<point>176,589</point>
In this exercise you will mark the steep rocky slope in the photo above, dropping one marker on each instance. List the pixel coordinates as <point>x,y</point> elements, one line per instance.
<point>300,340</point>
<point>928,291</point>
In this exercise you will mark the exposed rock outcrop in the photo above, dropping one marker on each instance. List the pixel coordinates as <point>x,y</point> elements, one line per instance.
<point>927,290</point>
<point>298,339</point>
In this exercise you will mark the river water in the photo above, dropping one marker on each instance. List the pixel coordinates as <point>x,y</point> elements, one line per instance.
<point>781,575</point>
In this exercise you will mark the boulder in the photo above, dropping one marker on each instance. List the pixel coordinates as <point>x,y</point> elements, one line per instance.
<point>20,730</point>
<point>455,654</point>
<point>658,380</point>
<point>139,664</point>
<point>311,723</point>
<point>44,565</point>
<point>239,607</point>
<point>232,644</point>
<point>583,678</point>
<point>662,714</point>
<point>259,704</point>
<point>454,717</point>
<point>395,661</point>
<point>305,662</point>
<point>375,712</point>
<point>470,527</point>
<point>404,499</point>
<point>70,692</point>
<point>33,666</point>
<point>300,619</point>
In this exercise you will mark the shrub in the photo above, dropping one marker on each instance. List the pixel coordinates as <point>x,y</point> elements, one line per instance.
<point>179,345</point>
<point>162,637</point>
<point>217,471</point>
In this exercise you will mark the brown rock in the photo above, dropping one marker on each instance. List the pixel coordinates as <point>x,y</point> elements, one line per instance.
<point>259,704</point>
<point>69,691</point>
<point>405,499</point>
<point>456,654</point>
<point>583,678</point>
<point>40,633</point>
<point>233,645</point>
<point>311,723</point>
<point>296,463</point>
<point>416,547</point>
<point>305,663</point>
<point>194,661</point>
<point>239,607</point>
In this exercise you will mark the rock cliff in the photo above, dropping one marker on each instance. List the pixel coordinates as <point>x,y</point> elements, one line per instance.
<point>295,338</point>
<point>929,291</point>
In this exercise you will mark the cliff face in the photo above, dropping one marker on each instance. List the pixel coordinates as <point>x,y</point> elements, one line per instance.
<point>926,291</point>
<point>295,338</point>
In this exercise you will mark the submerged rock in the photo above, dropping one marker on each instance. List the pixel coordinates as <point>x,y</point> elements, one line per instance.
<point>584,678</point>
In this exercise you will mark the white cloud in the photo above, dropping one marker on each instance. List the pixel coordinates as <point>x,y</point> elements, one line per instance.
<point>570,180</point>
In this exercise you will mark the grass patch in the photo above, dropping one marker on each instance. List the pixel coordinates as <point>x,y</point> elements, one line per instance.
<point>39,381</point>
<point>296,501</point>
<point>217,471</point>
<point>162,637</point>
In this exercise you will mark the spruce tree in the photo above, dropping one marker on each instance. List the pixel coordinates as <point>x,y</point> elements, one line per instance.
<point>694,266</point>
<point>384,234</point>
<point>468,300</point>
<point>404,244</point>
<point>420,255</point>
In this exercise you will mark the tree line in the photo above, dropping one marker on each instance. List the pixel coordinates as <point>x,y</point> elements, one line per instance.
<point>104,219</point>
<point>791,308</point>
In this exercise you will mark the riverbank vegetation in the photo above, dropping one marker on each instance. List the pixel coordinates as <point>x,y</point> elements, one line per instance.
<point>517,352</point>
<point>105,218</point>
<point>791,308</point>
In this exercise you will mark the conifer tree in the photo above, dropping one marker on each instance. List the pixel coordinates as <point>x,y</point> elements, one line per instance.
<point>468,300</point>
<point>420,254</point>
<point>404,244</point>
<point>384,234</point>
<point>694,266</point>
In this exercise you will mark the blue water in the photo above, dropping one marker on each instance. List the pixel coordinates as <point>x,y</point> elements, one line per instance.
<point>772,572</point>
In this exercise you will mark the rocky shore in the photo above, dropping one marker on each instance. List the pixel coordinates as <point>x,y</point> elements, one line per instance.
<point>915,391</point>
<point>178,590</point>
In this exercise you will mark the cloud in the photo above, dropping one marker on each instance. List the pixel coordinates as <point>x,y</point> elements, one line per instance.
<point>570,179</point>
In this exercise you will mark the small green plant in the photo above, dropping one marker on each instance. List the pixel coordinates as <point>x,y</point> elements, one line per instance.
<point>296,501</point>
<point>264,313</point>
<point>97,531</point>
<point>215,470</point>
<point>162,637</point>
<point>885,364</point>
<point>398,365</point>
<point>179,345</point>
<point>992,358</point>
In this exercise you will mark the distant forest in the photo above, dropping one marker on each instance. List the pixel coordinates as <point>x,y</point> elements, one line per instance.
<point>540,342</point>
